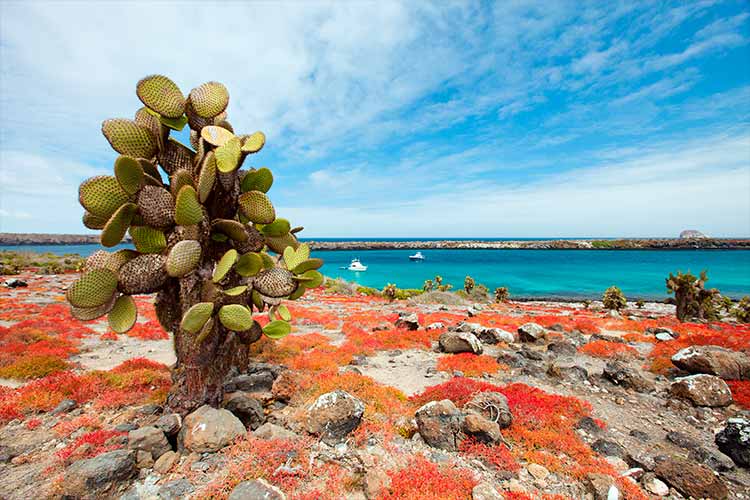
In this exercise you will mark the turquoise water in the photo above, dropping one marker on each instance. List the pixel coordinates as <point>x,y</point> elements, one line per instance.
<point>528,273</point>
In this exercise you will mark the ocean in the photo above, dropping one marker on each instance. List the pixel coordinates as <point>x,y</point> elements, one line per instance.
<point>527,273</point>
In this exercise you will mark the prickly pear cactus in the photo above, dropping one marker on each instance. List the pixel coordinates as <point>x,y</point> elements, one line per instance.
<point>207,238</point>
<point>469,284</point>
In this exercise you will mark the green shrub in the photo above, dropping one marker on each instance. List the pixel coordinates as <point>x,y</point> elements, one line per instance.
<point>692,300</point>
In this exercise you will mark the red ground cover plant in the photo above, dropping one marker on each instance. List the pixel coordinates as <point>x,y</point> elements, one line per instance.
<point>425,480</point>
<point>67,427</point>
<point>283,463</point>
<point>605,349</point>
<point>471,365</point>
<point>150,330</point>
<point>498,456</point>
<point>740,392</point>
<point>33,423</point>
<point>89,445</point>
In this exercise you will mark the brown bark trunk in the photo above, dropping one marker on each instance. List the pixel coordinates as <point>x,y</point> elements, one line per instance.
<point>201,368</point>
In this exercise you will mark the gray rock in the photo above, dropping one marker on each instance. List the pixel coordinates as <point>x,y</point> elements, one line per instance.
<point>456,342</point>
<point>714,360</point>
<point>246,408</point>
<point>609,448</point>
<point>531,332</point>
<point>170,424</point>
<point>260,381</point>
<point>492,406</point>
<point>175,490</point>
<point>334,415</point>
<point>439,423</point>
<point>126,427</point>
<point>409,321</point>
<point>482,429</point>
<point>209,429</point>
<point>734,441</point>
<point>620,374</point>
<point>588,425</point>
<point>691,234</point>
<point>682,440</point>
<point>485,491</point>
<point>99,476</point>
<point>64,406</point>
<point>273,431</point>
<point>257,489</point>
<point>562,348</point>
<point>150,440</point>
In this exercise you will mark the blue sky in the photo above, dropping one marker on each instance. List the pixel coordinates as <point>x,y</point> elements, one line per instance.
<point>514,119</point>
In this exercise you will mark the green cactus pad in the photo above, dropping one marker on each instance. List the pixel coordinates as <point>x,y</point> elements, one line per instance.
<point>257,180</point>
<point>162,95</point>
<point>207,177</point>
<point>228,155</point>
<point>188,209</point>
<point>253,142</point>
<point>91,313</point>
<point>299,292</point>
<point>257,300</point>
<point>147,119</point>
<point>92,221</point>
<point>284,313</point>
<point>215,135</point>
<point>196,122</point>
<point>156,206</point>
<point>276,229</point>
<point>101,195</point>
<point>279,244</point>
<point>235,291</point>
<point>210,99</point>
<point>308,265</point>
<point>205,331</point>
<point>116,260</point>
<point>93,289</point>
<point>196,317</point>
<point>129,174</point>
<point>310,279</point>
<point>293,258</point>
<point>231,228</point>
<point>268,262</point>
<point>219,237</point>
<point>97,260</point>
<point>176,124</point>
<point>118,224</point>
<point>276,282</point>
<point>123,315</point>
<point>277,329</point>
<point>257,207</point>
<point>180,178</point>
<point>151,181</point>
<point>236,317</point>
<point>183,258</point>
<point>224,124</point>
<point>249,264</point>
<point>128,138</point>
<point>148,239</point>
<point>176,156</point>
<point>143,274</point>
<point>149,168</point>
<point>224,265</point>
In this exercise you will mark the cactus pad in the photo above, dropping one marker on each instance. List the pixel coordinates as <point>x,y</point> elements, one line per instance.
<point>310,279</point>
<point>253,142</point>
<point>90,313</point>
<point>224,265</point>
<point>143,274</point>
<point>215,135</point>
<point>97,260</point>
<point>228,155</point>
<point>162,95</point>
<point>147,239</point>
<point>207,177</point>
<point>235,291</point>
<point>129,174</point>
<point>188,209</point>
<point>101,195</point>
<point>195,121</point>
<point>254,243</point>
<point>179,179</point>
<point>210,99</point>
<point>149,168</point>
<point>93,289</point>
<point>257,180</point>
<point>231,228</point>
<point>236,317</point>
<point>118,224</point>
<point>92,221</point>
<point>183,258</point>
<point>277,329</point>
<point>279,244</point>
<point>176,156</point>
<point>116,260</point>
<point>307,265</point>
<point>276,282</point>
<point>257,207</point>
<point>278,228</point>
<point>196,317</point>
<point>128,138</point>
<point>156,206</point>
<point>293,258</point>
<point>145,118</point>
<point>123,314</point>
<point>249,264</point>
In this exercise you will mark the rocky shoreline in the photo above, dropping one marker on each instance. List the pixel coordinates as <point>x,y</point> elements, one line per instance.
<point>14,239</point>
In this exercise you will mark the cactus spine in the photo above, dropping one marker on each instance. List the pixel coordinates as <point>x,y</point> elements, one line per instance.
<point>203,238</point>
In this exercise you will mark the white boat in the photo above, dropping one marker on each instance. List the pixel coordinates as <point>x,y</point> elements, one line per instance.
<point>356,265</point>
<point>417,256</point>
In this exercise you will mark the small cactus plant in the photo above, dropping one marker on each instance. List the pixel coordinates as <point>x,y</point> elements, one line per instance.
<point>691,298</point>
<point>428,286</point>
<point>741,311</point>
<point>390,292</point>
<point>502,294</point>
<point>639,304</point>
<point>613,299</point>
<point>469,284</point>
<point>208,241</point>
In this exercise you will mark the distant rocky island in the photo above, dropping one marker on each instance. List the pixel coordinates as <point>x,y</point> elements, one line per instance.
<point>685,241</point>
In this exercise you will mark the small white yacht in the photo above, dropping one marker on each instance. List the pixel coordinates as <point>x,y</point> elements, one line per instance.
<point>356,265</point>
<point>417,256</point>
